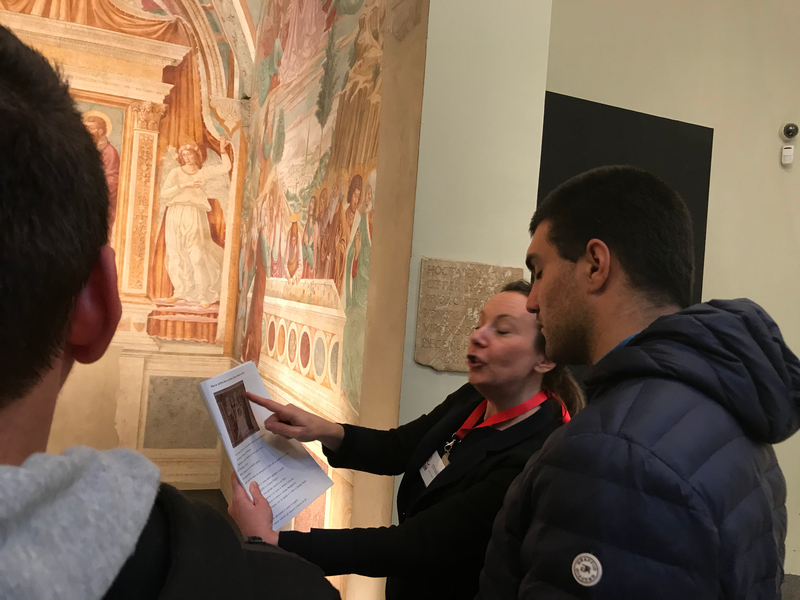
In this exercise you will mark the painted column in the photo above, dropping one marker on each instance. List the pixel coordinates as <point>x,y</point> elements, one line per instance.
<point>138,225</point>
<point>229,113</point>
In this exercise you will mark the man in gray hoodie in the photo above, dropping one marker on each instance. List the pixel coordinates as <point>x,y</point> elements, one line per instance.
<point>86,525</point>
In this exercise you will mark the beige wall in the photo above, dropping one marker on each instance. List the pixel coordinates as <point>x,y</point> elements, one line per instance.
<point>87,406</point>
<point>482,110</point>
<point>733,66</point>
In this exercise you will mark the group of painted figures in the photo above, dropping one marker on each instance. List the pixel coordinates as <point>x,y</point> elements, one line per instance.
<point>328,239</point>
<point>328,243</point>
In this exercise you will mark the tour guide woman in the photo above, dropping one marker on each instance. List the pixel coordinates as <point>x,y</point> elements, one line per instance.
<point>458,461</point>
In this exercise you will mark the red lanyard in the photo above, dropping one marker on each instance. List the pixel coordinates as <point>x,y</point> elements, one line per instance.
<point>501,417</point>
<point>565,418</point>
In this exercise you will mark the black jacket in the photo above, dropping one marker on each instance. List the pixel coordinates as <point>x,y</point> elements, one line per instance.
<point>668,478</point>
<point>188,551</point>
<point>438,548</point>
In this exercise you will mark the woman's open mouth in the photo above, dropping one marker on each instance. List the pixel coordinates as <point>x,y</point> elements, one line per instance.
<point>473,362</point>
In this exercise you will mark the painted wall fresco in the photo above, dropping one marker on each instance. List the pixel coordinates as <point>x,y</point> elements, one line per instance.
<point>158,83</point>
<point>173,82</point>
<point>105,123</point>
<point>308,206</point>
<point>244,159</point>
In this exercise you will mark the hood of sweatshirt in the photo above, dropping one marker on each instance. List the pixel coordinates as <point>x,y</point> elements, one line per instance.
<point>69,522</point>
<point>731,350</point>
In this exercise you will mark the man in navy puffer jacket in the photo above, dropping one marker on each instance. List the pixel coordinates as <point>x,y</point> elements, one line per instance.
<point>666,485</point>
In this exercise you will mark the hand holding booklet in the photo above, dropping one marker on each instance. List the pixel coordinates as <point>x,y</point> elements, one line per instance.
<point>288,477</point>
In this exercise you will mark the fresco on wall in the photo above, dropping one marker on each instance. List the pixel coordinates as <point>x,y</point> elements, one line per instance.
<point>193,199</point>
<point>105,123</point>
<point>308,207</point>
<point>159,88</point>
<point>163,91</point>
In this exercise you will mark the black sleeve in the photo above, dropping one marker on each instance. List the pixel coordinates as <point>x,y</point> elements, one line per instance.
<point>451,534</point>
<point>286,576</point>
<point>144,573</point>
<point>388,452</point>
<point>188,550</point>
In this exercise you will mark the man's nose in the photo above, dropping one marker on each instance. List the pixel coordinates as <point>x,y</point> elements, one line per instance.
<point>532,304</point>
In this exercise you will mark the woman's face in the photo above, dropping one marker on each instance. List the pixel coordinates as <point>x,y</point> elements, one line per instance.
<point>502,353</point>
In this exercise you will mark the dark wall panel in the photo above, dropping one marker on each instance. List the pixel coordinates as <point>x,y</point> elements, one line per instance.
<point>579,135</point>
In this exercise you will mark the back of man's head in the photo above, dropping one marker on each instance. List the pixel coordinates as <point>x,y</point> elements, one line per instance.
<point>53,214</point>
<point>642,220</point>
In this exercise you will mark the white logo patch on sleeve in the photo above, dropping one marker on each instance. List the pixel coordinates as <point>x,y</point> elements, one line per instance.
<point>587,570</point>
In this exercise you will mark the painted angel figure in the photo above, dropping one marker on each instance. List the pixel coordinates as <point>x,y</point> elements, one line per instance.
<point>193,259</point>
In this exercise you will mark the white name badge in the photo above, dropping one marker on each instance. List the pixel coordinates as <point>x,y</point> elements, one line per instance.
<point>432,467</point>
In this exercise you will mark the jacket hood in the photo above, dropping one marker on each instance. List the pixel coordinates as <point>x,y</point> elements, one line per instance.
<point>69,522</point>
<point>730,350</point>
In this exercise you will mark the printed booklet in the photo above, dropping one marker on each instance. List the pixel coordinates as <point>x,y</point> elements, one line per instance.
<point>287,475</point>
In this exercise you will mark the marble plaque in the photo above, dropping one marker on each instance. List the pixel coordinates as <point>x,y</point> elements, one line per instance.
<point>451,295</point>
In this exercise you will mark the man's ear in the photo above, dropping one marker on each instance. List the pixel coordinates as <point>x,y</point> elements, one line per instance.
<point>597,264</point>
<point>97,311</point>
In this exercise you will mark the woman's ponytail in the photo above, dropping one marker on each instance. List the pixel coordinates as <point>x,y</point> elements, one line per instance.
<point>565,388</point>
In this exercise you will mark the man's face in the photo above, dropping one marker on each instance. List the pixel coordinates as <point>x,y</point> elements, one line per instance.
<point>96,130</point>
<point>368,197</point>
<point>564,314</point>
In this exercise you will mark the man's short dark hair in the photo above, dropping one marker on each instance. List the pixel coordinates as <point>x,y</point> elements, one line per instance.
<point>53,214</point>
<point>641,219</point>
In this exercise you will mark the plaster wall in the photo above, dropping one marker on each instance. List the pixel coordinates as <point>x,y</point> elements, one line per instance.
<point>482,110</point>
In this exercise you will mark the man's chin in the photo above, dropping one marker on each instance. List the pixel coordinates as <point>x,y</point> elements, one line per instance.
<point>564,354</point>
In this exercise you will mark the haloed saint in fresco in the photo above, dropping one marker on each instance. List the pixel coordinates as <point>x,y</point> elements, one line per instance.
<point>99,126</point>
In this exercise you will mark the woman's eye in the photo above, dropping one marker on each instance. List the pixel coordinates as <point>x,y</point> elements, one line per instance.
<point>537,275</point>
<point>502,332</point>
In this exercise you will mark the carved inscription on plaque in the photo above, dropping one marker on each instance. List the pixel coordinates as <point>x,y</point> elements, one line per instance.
<point>451,295</point>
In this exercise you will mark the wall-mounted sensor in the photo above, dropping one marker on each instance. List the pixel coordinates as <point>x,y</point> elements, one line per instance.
<point>787,155</point>
<point>789,131</point>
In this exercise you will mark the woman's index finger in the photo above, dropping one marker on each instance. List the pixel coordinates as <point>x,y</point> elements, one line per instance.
<point>267,403</point>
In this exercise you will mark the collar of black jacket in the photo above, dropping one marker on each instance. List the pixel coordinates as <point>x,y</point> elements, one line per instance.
<point>536,427</point>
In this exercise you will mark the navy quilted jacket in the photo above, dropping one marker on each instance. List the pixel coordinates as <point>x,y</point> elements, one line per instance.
<point>666,485</point>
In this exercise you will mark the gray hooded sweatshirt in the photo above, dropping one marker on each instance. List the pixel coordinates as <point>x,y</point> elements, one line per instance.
<point>69,522</point>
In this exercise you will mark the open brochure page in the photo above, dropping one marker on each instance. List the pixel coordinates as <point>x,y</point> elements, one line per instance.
<point>287,475</point>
